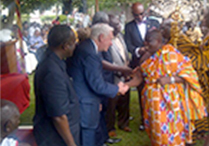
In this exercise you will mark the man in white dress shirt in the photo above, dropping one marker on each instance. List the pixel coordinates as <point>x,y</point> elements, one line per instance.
<point>135,32</point>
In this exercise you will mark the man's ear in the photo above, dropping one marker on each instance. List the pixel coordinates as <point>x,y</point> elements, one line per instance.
<point>100,38</point>
<point>64,46</point>
<point>8,126</point>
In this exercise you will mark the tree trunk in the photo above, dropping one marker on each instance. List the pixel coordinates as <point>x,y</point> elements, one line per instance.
<point>97,5</point>
<point>84,6</point>
<point>10,18</point>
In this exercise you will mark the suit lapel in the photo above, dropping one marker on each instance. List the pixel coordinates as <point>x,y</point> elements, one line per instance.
<point>148,25</point>
<point>93,47</point>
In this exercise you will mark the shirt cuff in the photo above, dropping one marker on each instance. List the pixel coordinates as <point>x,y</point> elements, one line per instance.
<point>137,52</point>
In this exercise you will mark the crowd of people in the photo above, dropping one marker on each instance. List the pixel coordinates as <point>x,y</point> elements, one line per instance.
<point>84,77</point>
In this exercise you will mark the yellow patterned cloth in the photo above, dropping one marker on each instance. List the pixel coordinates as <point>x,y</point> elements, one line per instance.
<point>170,109</point>
<point>200,61</point>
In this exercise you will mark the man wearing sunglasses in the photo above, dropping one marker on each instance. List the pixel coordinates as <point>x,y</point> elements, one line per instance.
<point>135,32</point>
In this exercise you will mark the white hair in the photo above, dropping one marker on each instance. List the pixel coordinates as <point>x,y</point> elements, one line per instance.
<point>100,28</point>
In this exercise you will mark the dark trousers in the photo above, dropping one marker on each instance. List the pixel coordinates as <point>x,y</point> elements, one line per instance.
<point>139,90</point>
<point>87,137</point>
<point>101,131</point>
<point>120,104</point>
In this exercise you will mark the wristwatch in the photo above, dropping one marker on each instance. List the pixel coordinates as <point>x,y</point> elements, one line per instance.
<point>172,80</point>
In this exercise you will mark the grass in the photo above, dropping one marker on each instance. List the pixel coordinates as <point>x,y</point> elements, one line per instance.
<point>27,116</point>
<point>135,138</point>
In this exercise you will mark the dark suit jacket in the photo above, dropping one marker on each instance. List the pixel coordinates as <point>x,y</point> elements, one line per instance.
<point>85,67</point>
<point>133,37</point>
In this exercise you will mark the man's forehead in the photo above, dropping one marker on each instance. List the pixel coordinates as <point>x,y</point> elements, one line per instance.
<point>138,7</point>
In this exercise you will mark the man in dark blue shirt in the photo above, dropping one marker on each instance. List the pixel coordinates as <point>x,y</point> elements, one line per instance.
<point>56,120</point>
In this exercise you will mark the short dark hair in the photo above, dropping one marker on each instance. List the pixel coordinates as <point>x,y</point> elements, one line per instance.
<point>59,34</point>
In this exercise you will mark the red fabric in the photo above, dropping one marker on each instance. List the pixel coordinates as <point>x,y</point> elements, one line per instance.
<point>15,87</point>
<point>17,143</point>
<point>55,22</point>
<point>26,135</point>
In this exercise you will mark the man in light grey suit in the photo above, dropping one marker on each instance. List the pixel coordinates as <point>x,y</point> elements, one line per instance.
<point>120,103</point>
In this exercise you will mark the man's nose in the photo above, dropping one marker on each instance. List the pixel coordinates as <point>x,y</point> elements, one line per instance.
<point>140,17</point>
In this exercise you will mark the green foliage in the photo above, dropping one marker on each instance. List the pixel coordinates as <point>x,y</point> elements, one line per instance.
<point>107,4</point>
<point>71,20</point>
<point>27,6</point>
<point>47,19</point>
<point>77,3</point>
<point>63,18</point>
<point>24,17</point>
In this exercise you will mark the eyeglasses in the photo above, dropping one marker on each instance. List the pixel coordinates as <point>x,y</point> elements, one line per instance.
<point>140,14</point>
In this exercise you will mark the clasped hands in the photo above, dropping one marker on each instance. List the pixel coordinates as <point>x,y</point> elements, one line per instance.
<point>135,81</point>
<point>123,88</point>
<point>136,78</point>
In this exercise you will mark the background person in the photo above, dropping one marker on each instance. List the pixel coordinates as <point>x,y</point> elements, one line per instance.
<point>199,63</point>
<point>205,47</point>
<point>120,103</point>
<point>56,21</point>
<point>10,119</point>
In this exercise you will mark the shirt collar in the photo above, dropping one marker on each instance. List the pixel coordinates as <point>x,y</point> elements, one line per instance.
<point>59,61</point>
<point>143,21</point>
<point>95,45</point>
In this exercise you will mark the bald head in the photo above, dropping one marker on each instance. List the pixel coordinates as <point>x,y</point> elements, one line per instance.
<point>136,5</point>
<point>137,11</point>
<point>9,117</point>
<point>8,109</point>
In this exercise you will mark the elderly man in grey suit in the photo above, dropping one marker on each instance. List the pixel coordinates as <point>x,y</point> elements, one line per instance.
<point>120,103</point>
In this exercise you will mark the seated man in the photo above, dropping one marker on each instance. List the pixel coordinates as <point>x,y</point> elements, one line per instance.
<point>9,122</point>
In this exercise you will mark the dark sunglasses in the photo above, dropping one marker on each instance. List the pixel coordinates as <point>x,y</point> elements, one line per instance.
<point>140,14</point>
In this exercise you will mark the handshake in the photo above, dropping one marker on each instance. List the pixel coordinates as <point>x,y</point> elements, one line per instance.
<point>135,81</point>
<point>123,88</point>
